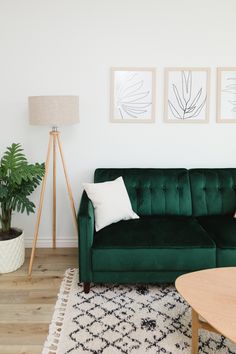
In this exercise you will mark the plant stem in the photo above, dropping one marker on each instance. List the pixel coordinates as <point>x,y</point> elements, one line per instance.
<point>6,218</point>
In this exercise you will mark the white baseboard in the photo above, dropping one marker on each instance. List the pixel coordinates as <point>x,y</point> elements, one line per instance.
<point>47,243</point>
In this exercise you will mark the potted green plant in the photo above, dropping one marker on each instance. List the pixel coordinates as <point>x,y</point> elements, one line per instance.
<point>18,179</point>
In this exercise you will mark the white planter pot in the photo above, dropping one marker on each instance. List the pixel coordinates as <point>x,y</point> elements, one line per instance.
<point>12,254</point>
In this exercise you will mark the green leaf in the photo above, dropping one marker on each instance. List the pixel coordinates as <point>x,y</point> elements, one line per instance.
<point>3,192</point>
<point>18,179</point>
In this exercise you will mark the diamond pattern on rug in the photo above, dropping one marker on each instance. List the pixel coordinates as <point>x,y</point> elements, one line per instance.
<point>132,319</point>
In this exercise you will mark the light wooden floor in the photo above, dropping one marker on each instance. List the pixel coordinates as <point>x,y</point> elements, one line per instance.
<point>26,305</point>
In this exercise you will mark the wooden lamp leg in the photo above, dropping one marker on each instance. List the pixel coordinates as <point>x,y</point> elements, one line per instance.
<point>54,208</point>
<point>53,140</point>
<point>40,206</point>
<point>68,185</point>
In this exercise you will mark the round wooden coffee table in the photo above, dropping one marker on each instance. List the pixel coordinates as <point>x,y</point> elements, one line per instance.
<point>211,294</point>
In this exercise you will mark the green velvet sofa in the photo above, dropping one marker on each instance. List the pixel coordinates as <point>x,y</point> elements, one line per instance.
<point>186,224</point>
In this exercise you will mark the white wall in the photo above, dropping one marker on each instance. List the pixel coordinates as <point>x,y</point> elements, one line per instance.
<point>68,46</point>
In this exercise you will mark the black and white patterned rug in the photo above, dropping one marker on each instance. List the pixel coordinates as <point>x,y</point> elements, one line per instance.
<point>125,319</point>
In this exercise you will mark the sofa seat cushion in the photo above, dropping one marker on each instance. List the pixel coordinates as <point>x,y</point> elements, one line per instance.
<point>153,243</point>
<point>222,230</point>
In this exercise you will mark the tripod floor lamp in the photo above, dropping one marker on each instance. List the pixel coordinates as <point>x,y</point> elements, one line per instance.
<point>53,111</point>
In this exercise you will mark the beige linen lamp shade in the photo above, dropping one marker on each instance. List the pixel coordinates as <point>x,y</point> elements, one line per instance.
<point>53,110</point>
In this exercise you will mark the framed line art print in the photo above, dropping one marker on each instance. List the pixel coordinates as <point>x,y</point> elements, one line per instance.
<point>186,95</point>
<point>132,96</point>
<point>226,95</point>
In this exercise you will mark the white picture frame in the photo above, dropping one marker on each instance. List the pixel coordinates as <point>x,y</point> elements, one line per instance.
<point>132,95</point>
<point>226,95</point>
<point>187,92</point>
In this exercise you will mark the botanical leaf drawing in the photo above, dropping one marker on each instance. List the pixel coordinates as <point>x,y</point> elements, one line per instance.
<point>231,89</point>
<point>185,105</point>
<point>132,99</point>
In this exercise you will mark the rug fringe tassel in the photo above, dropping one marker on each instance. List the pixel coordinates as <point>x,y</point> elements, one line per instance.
<point>51,344</point>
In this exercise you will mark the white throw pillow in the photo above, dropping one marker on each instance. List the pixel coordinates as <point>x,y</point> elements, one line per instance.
<point>110,201</point>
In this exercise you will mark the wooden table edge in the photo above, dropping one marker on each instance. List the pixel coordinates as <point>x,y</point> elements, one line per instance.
<point>198,324</point>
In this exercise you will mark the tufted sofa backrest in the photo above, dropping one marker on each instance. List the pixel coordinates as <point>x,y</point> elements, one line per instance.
<point>213,191</point>
<point>153,191</point>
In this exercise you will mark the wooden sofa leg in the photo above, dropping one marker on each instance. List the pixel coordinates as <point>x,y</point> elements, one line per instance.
<point>86,288</point>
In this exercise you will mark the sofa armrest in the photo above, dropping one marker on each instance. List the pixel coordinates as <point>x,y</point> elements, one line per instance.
<point>86,234</point>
